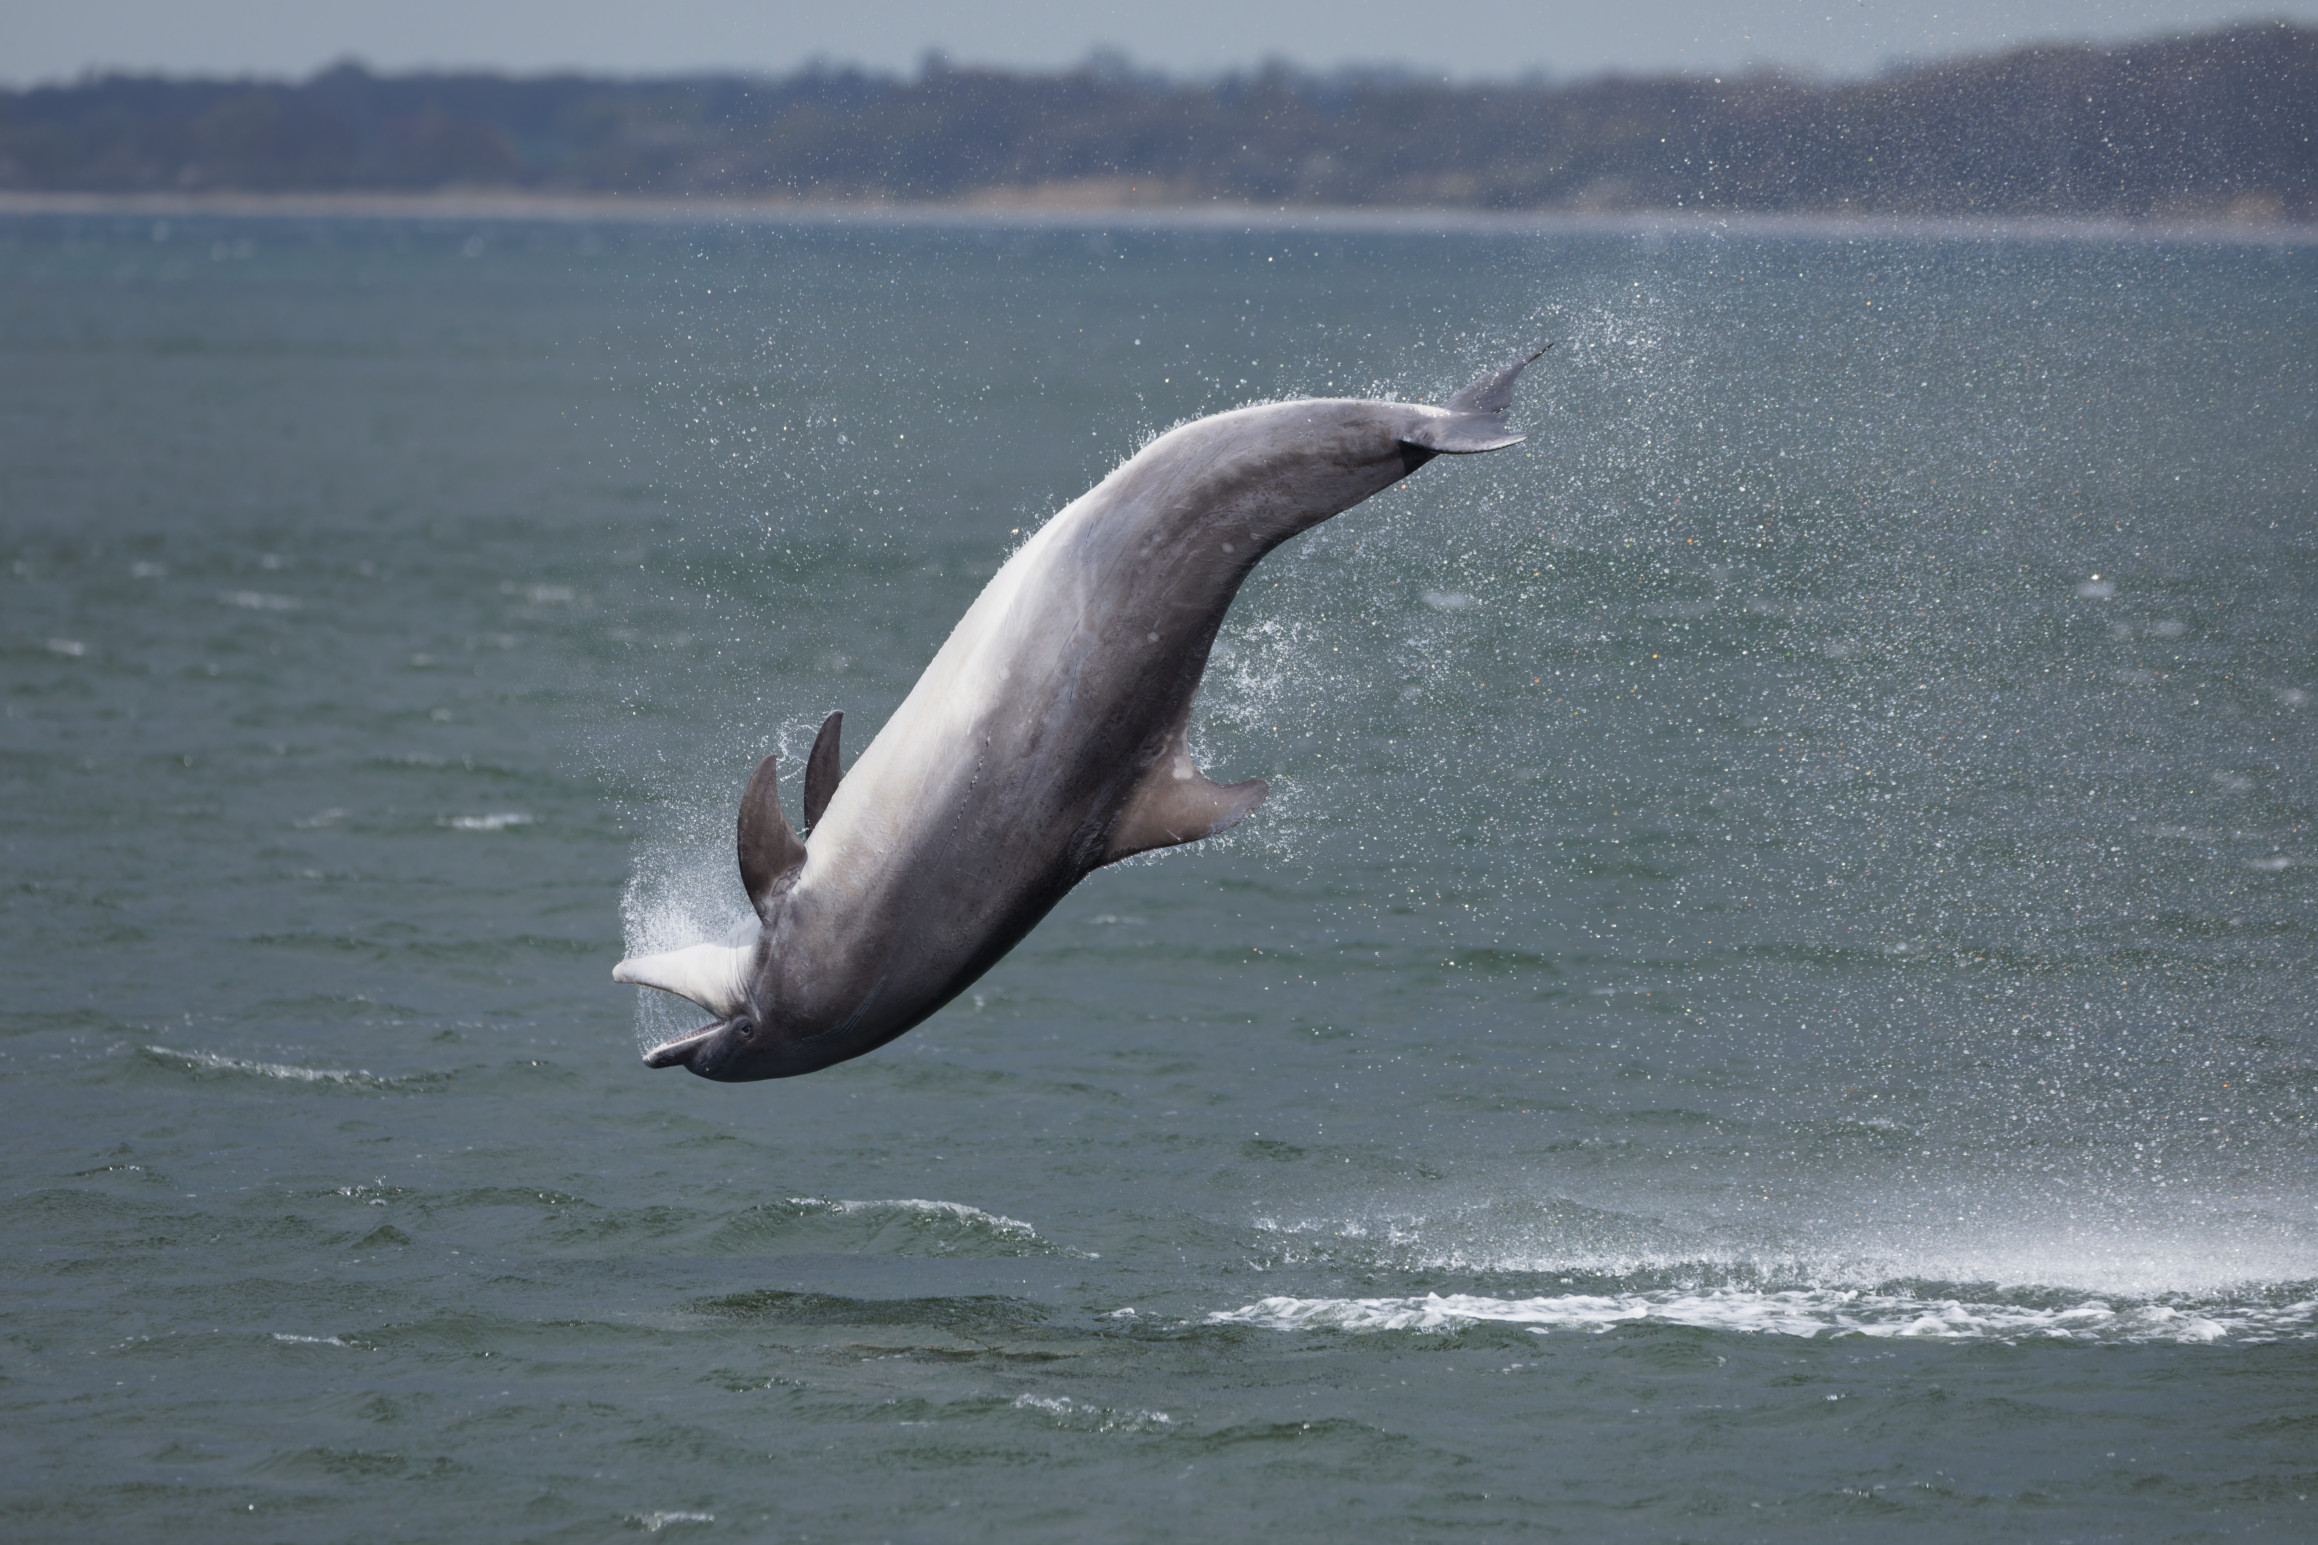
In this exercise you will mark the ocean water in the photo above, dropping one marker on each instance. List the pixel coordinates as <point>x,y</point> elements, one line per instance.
<point>1772,998</point>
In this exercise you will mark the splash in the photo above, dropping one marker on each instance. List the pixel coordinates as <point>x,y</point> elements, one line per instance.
<point>681,892</point>
<point>213,1062</point>
<point>1082,1416</point>
<point>2018,1250</point>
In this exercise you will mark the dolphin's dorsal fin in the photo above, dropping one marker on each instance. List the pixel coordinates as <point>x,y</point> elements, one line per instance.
<point>1177,803</point>
<point>769,850</point>
<point>822,774</point>
<point>1474,419</point>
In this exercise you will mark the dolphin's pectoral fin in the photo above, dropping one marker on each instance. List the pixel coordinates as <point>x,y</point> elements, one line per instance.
<point>1176,803</point>
<point>1475,417</point>
<point>769,850</point>
<point>711,975</point>
<point>822,774</point>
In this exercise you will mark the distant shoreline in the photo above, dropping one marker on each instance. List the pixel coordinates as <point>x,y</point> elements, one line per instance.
<point>1028,211</point>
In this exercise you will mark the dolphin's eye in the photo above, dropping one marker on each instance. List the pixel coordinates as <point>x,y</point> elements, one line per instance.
<point>743,1028</point>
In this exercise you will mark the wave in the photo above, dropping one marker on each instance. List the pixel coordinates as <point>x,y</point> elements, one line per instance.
<point>1802,1312</point>
<point>895,1226</point>
<point>912,1207</point>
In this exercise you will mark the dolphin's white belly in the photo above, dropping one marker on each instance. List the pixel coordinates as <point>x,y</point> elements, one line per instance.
<point>897,798</point>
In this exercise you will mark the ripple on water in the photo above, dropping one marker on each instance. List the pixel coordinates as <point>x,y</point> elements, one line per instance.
<point>976,1315</point>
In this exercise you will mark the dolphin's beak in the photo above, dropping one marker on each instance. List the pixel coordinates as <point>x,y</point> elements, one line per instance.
<point>678,1053</point>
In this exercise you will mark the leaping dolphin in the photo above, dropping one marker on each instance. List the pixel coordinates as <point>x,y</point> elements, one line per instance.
<point>1045,740</point>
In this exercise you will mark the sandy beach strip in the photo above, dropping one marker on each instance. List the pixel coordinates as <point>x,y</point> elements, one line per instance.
<point>1035,209</point>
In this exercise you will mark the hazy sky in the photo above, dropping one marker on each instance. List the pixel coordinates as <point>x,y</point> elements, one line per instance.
<point>58,39</point>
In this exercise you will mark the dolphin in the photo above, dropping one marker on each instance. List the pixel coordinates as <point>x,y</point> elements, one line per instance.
<point>1045,740</point>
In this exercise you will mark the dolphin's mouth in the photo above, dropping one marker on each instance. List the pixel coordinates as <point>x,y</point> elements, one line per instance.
<point>678,1053</point>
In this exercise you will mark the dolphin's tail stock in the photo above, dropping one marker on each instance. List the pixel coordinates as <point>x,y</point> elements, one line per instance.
<point>1475,417</point>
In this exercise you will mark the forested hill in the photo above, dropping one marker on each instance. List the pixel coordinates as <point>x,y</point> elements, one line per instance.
<point>2223,122</point>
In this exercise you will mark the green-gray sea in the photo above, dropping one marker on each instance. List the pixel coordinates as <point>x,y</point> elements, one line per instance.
<point>1772,998</point>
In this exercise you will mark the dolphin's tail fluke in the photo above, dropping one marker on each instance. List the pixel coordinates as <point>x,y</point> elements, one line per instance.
<point>1493,393</point>
<point>1474,419</point>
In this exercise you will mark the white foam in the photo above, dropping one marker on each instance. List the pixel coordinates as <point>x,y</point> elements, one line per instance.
<point>308,1341</point>
<point>653,1523</point>
<point>259,601</point>
<point>1807,1313</point>
<point>498,821</point>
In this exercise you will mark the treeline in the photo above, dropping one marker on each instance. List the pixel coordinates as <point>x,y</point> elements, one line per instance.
<point>2225,121</point>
